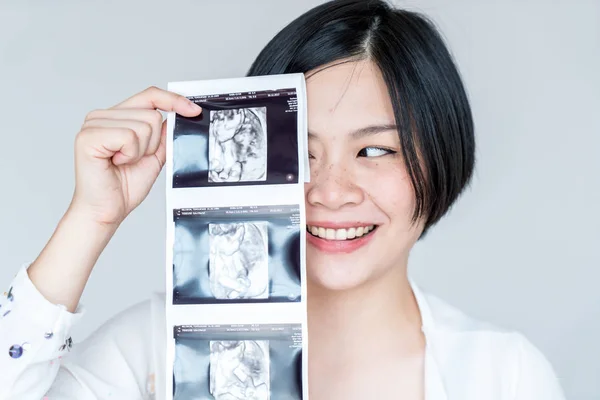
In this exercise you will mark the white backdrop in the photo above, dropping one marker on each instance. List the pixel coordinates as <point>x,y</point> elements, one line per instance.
<point>519,249</point>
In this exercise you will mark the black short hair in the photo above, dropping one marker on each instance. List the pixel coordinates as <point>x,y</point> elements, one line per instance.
<point>430,102</point>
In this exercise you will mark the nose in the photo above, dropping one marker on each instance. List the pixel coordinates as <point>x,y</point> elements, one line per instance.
<point>333,186</point>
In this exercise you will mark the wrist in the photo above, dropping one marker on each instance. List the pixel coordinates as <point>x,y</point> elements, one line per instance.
<point>88,219</point>
<point>71,252</point>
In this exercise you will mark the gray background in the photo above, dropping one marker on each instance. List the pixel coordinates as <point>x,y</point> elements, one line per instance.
<point>519,249</point>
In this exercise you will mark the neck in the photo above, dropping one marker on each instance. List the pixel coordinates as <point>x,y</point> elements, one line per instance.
<point>381,316</point>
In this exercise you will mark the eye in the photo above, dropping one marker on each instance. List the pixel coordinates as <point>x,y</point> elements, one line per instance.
<point>375,152</point>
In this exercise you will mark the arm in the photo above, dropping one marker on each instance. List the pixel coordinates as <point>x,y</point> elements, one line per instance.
<point>115,361</point>
<point>119,153</point>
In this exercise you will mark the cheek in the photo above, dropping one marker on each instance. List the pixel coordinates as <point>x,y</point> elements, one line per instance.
<point>389,187</point>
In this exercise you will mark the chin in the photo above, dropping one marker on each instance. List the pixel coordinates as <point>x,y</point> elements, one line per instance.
<point>338,273</point>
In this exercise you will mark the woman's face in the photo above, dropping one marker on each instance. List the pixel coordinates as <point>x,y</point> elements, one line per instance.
<point>358,180</point>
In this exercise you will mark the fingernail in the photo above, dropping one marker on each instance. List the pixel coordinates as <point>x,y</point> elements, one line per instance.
<point>194,106</point>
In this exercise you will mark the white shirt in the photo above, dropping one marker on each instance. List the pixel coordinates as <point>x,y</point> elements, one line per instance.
<point>465,359</point>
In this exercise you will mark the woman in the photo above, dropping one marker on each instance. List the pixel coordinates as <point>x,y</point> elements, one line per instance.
<point>391,148</point>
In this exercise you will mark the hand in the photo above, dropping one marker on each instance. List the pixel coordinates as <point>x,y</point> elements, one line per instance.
<point>120,152</point>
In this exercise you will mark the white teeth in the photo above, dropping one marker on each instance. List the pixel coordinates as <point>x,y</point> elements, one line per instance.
<point>339,234</point>
<point>322,233</point>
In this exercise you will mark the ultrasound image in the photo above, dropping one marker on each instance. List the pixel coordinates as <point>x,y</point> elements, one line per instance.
<point>240,139</point>
<point>238,362</point>
<point>239,369</point>
<point>236,255</point>
<point>238,264</point>
<point>237,149</point>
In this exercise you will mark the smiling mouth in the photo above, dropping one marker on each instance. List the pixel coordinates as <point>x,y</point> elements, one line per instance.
<point>340,234</point>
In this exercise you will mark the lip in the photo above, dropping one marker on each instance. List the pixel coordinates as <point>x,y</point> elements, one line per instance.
<point>339,225</point>
<point>339,246</point>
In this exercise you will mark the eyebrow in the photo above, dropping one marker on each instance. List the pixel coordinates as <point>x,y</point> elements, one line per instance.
<point>365,131</point>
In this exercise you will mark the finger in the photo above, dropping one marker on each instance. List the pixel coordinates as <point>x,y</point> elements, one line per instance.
<point>161,152</point>
<point>152,117</point>
<point>155,98</point>
<point>142,129</point>
<point>119,144</point>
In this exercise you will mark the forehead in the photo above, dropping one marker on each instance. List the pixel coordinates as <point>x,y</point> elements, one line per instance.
<point>346,96</point>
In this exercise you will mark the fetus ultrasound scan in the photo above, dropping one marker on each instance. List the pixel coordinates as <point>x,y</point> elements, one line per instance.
<point>236,307</point>
<point>246,138</point>
<point>239,369</point>
<point>237,145</point>
<point>238,265</point>
<point>238,362</point>
<point>247,254</point>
